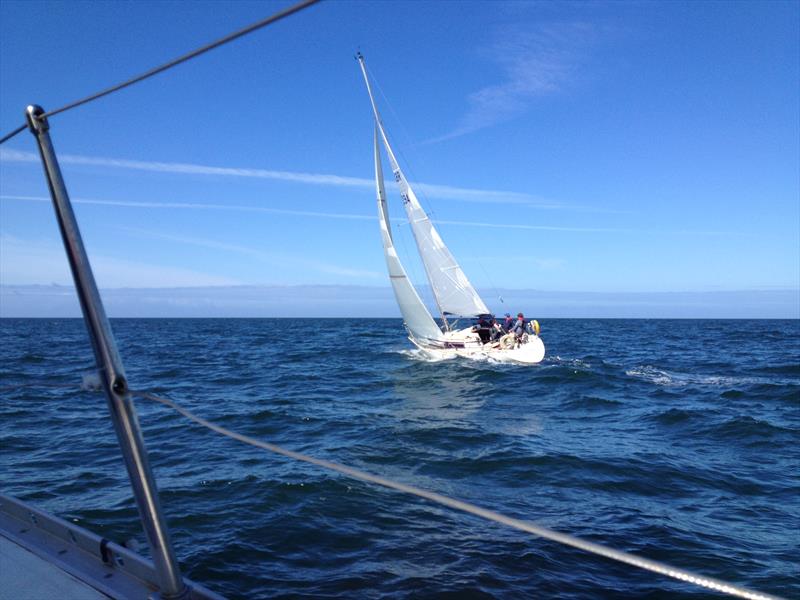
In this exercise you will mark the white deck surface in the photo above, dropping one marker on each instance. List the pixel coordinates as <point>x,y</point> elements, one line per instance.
<point>25,576</point>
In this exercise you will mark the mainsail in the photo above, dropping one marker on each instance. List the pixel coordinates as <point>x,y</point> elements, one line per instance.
<point>453,292</point>
<point>420,324</point>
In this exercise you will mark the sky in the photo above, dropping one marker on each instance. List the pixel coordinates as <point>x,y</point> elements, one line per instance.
<point>610,156</point>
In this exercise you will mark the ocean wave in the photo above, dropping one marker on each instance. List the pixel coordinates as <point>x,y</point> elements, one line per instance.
<point>621,434</point>
<point>748,427</point>
<point>592,401</point>
<point>32,359</point>
<point>784,369</point>
<point>666,378</point>
<point>575,363</point>
<point>674,416</point>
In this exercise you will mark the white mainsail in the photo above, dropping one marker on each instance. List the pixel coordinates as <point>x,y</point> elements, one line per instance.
<point>418,320</point>
<point>453,292</point>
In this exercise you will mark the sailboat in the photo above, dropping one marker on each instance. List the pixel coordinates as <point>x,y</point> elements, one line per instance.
<point>455,296</point>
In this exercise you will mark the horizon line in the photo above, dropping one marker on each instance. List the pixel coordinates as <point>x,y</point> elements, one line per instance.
<point>387,286</point>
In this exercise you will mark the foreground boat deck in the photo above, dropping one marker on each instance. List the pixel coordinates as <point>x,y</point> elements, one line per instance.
<point>25,576</point>
<point>44,557</point>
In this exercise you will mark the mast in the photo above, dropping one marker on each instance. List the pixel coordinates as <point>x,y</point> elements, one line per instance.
<point>397,173</point>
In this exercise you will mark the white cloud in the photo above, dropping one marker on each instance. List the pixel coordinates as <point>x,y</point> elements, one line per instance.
<point>324,215</point>
<point>433,190</point>
<point>532,227</point>
<point>536,61</point>
<point>365,301</point>
<point>304,213</point>
<point>199,206</point>
<point>549,264</point>
<point>25,262</point>
<point>271,258</point>
<point>541,263</point>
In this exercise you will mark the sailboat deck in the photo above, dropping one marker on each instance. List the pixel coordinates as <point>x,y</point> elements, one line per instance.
<point>26,576</point>
<point>43,556</point>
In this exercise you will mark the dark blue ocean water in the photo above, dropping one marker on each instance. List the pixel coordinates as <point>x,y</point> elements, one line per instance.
<point>677,440</point>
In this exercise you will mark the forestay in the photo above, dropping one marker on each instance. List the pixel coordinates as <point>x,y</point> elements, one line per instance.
<point>453,292</point>
<point>418,320</point>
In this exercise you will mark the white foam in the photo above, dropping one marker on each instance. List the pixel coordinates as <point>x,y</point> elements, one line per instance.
<point>417,354</point>
<point>668,378</point>
<point>91,382</point>
<point>575,363</point>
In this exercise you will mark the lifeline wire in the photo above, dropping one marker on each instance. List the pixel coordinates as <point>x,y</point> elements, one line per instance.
<point>561,538</point>
<point>181,59</point>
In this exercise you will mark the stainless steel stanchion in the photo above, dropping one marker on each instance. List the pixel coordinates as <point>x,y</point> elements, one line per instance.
<point>111,371</point>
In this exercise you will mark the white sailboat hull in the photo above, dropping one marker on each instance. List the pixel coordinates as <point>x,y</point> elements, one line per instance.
<point>466,343</point>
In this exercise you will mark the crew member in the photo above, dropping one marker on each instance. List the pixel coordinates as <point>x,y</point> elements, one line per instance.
<point>519,325</point>
<point>485,328</point>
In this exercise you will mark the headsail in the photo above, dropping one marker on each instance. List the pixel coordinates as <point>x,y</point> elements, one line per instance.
<point>417,318</point>
<point>454,293</point>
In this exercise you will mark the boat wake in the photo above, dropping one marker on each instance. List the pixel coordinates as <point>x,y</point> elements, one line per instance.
<point>418,354</point>
<point>422,356</point>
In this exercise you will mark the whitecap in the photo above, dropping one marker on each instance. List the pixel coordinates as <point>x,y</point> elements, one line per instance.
<point>671,378</point>
<point>91,382</point>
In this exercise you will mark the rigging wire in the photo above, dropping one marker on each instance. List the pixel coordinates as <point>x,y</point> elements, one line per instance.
<point>11,134</point>
<point>490,515</point>
<point>491,281</point>
<point>181,59</point>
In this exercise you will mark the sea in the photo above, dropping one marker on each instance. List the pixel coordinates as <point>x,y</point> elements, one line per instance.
<point>677,440</point>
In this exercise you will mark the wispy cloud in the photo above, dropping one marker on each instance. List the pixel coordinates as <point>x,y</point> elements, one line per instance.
<point>325,215</point>
<point>365,301</point>
<point>527,227</point>
<point>549,264</point>
<point>540,263</point>
<point>433,190</point>
<point>34,261</point>
<point>303,213</point>
<point>192,169</point>
<point>282,259</point>
<point>535,61</point>
<point>199,206</point>
<point>31,261</point>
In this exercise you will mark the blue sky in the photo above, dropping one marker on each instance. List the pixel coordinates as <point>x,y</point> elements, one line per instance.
<point>617,148</point>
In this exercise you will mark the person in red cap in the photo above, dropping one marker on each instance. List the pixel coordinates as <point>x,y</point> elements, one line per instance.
<point>519,326</point>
